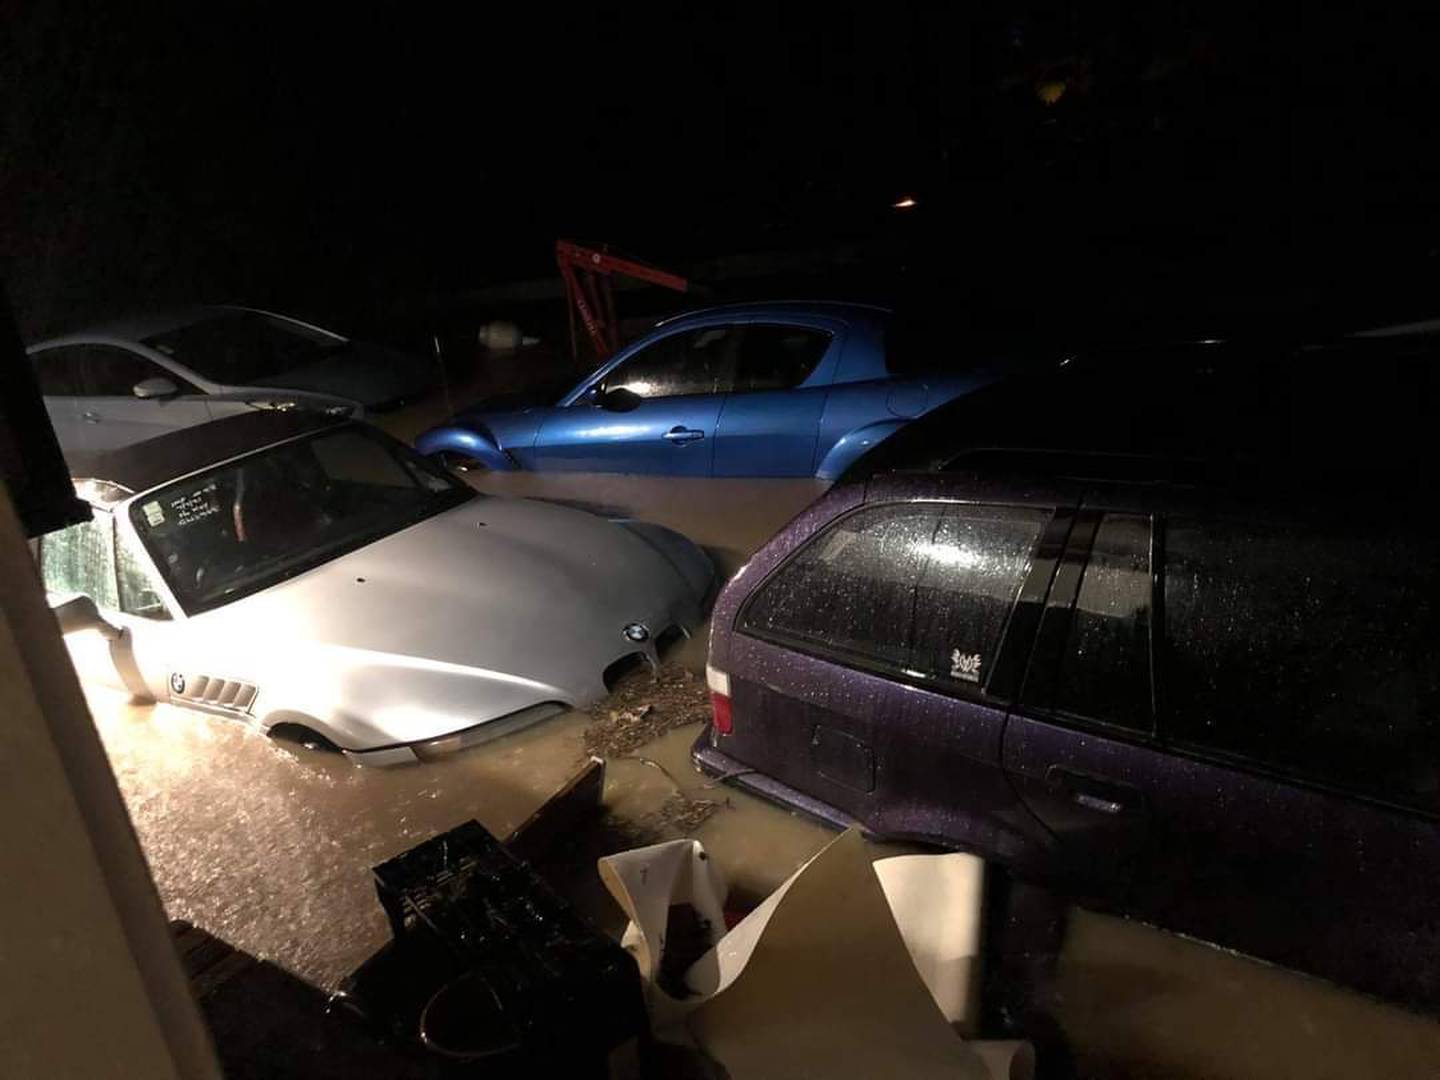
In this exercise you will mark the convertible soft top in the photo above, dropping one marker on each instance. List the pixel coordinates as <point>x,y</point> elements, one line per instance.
<point>144,465</point>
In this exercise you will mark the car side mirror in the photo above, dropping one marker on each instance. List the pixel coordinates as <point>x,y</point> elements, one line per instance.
<point>81,613</point>
<point>155,388</point>
<point>619,400</point>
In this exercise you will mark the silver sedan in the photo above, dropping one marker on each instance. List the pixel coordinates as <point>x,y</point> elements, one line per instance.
<point>133,379</point>
<point>318,578</point>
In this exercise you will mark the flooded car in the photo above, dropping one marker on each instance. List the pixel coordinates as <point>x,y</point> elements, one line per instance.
<point>1208,705</point>
<point>317,578</point>
<point>765,389</point>
<point>140,377</point>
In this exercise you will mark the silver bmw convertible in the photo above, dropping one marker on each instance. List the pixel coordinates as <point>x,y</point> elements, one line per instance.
<point>317,578</point>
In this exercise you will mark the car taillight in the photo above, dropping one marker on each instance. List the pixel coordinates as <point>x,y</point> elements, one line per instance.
<point>723,722</point>
<point>719,684</point>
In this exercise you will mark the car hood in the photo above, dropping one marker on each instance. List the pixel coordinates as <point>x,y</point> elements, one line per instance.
<point>491,607</point>
<point>373,375</point>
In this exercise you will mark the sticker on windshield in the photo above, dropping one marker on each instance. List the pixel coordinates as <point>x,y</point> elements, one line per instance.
<point>195,506</point>
<point>153,514</point>
<point>965,666</point>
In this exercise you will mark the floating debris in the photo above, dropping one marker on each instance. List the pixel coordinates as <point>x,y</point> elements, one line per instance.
<point>643,708</point>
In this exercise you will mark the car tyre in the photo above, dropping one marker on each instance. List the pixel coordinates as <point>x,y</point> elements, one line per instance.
<point>300,741</point>
<point>458,463</point>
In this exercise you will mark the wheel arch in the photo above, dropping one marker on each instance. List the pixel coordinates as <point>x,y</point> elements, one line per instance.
<point>846,449</point>
<point>293,725</point>
<point>461,439</point>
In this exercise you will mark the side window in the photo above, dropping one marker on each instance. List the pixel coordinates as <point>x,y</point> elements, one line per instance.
<point>137,589</point>
<point>778,357</point>
<point>922,589</point>
<point>1105,668</point>
<point>58,371</point>
<point>692,362</point>
<point>1316,652</point>
<point>81,559</point>
<point>110,372</point>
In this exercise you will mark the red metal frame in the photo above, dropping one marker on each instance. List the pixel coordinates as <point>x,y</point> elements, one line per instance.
<point>589,291</point>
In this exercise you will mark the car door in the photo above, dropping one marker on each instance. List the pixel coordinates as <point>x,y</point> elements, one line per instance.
<point>1085,717</point>
<point>1270,781</point>
<point>884,691</point>
<point>770,421</point>
<point>57,371</point>
<point>110,411</point>
<point>678,383</point>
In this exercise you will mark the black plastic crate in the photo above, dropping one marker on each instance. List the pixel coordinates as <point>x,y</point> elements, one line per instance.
<point>489,963</point>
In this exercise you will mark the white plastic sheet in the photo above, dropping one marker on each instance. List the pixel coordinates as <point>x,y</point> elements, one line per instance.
<point>645,882</point>
<point>843,971</point>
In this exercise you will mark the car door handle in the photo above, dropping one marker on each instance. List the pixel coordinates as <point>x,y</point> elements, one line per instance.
<point>681,434</point>
<point>1094,792</point>
<point>90,417</point>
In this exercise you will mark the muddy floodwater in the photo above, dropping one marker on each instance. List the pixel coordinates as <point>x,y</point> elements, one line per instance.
<point>270,846</point>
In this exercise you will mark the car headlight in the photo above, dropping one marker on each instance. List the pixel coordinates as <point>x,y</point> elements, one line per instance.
<point>274,405</point>
<point>488,731</point>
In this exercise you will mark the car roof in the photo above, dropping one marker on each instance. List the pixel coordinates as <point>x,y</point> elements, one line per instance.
<point>144,465</point>
<point>780,307</point>
<point>140,325</point>
<point>1145,484</point>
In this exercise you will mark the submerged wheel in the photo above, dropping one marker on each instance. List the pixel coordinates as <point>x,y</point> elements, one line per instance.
<point>458,463</point>
<point>298,739</point>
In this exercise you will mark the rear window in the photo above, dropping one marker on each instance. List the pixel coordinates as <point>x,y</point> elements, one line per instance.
<point>918,589</point>
<point>778,357</point>
<point>1313,651</point>
<point>244,346</point>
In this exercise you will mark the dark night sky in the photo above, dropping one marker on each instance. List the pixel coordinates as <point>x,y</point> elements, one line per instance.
<point>343,164</point>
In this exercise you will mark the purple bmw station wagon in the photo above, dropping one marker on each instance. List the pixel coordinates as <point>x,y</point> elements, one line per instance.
<point>1194,706</point>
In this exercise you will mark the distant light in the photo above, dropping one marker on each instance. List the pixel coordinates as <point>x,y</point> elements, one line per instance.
<point>904,204</point>
<point>1050,92</point>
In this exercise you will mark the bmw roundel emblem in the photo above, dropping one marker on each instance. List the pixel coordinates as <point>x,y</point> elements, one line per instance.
<point>177,682</point>
<point>637,632</point>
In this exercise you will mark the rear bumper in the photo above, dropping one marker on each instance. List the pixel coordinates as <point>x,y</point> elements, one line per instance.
<point>713,762</point>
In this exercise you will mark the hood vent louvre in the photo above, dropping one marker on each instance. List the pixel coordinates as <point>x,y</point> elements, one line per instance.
<point>209,691</point>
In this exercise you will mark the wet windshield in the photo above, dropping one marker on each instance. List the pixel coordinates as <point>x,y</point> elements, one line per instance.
<point>255,521</point>
<point>243,346</point>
